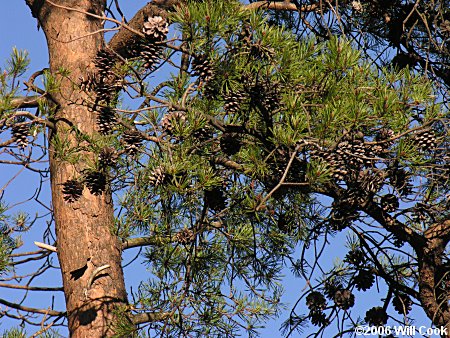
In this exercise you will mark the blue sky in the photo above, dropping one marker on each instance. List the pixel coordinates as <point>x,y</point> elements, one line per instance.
<point>19,30</point>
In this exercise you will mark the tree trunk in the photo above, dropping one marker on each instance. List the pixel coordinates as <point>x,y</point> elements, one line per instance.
<point>85,241</point>
<point>432,290</point>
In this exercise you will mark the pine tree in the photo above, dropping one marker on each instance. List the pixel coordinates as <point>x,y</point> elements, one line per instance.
<point>251,144</point>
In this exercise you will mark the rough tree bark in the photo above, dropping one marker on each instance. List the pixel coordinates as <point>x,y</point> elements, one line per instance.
<point>83,228</point>
<point>433,277</point>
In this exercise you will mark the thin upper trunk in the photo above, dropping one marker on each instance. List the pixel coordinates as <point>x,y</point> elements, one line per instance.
<point>83,228</point>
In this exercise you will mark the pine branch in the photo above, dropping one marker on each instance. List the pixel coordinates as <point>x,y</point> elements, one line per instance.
<point>25,101</point>
<point>120,42</point>
<point>282,6</point>
<point>146,241</point>
<point>35,118</point>
<point>31,309</point>
<point>149,317</point>
<point>228,163</point>
<point>394,226</point>
<point>439,230</point>
<point>30,288</point>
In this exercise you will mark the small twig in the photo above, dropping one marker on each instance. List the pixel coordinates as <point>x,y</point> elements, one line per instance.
<point>146,241</point>
<point>35,118</point>
<point>25,101</point>
<point>283,178</point>
<point>30,83</point>
<point>44,329</point>
<point>189,90</point>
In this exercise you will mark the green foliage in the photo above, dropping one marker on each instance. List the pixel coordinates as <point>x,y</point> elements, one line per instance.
<point>18,63</point>
<point>7,243</point>
<point>14,333</point>
<point>231,186</point>
<point>20,333</point>
<point>16,66</point>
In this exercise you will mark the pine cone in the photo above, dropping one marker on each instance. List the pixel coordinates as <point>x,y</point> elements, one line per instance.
<point>315,301</point>
<point>20,132</point>
<point>389,203</point>
<point>106,120</point>
<point>185,236</point>
<point>271,100</point>
<point>171,119</point>
<point>105,61</point>
<point>355,257</point>
<point>383,137</point>
<point>106,87</point>
<point>157,176</point>
<point>264,97</point>
<point>230,143</point>
<point>318,318</point>
<point>215,199</point>
<point>72,190</point>
<point>402,303</point>
<point>376,316</point>
<point>364,280</point>
<point>330,288</point>
<point>107,157</point>
<point>341,216</point>
<point>371,180</point>
<point>400,180</point>
<point>261,52</point>
<point>134,48</point>
<point>344,299</point>
<point>88,83</point>
<point>151,53</point>
<point>345,153</point>
<point>156,28</point>
<point>233,102</point>
<point>202,134</point>
<point>95,181</point>
<point>202,67</point>
<point>132,140</point>
<point>426,140</point>
<point>338,167</point>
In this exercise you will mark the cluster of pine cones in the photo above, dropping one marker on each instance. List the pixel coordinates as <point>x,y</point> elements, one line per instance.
<point>316,302</point>
<point>350,155</point>
<point>106,82</point>
<point>353,161</point>
<point>95,181</point>
<point>149,50</point>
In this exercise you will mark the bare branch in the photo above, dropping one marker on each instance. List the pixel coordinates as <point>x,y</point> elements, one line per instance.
<point>145,241</point>
<point>26,101</point>
<point>149,317</point>
<point>228,163</point>
<point>31,309</point>
<point>45,246</point>
<point>35,118</point>
<point>30,288</point>
<point>282,6</point>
